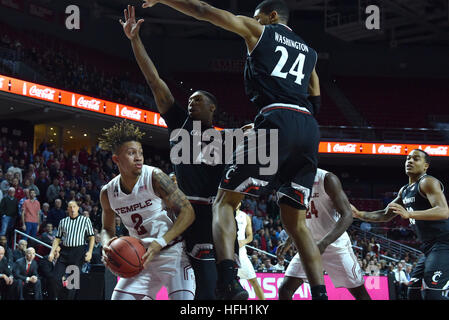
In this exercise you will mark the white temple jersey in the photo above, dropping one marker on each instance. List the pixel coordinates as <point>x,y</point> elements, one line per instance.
<point>240,217</point>
<point>141,211</point>
<point>321,214</point>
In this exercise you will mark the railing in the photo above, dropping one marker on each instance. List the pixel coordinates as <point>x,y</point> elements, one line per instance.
<point>34,239</point>
<point>392,246</point>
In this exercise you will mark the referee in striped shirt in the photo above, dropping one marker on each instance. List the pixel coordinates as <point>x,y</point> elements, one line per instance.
<point>72,232</point>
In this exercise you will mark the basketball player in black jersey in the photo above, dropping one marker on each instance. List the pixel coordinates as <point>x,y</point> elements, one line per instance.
<point>278,69</point>
<point>199,182</point>
<point>422,201</point>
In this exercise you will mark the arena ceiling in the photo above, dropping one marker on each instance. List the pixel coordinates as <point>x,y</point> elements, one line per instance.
<point>402,21</point>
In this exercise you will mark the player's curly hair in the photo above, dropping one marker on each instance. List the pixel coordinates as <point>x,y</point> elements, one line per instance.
<point>113,138</point>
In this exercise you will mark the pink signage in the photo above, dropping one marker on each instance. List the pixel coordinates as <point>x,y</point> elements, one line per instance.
<point>377,287</point>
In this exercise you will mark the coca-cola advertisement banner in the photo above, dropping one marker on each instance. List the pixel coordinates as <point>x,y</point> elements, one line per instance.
<point>381,148</point>
<point>75,100</point>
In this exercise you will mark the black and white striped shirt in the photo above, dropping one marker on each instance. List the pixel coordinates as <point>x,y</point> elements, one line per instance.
<point>73,232</point>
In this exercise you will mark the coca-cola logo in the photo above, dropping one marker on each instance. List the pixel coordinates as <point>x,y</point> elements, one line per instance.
<point>1,82</point>
<point>436,151</point>
<point>394,149</point>
<point>46,93</point>
<point>133,114</point>
<point>89,104</point>
<point>350,147</point>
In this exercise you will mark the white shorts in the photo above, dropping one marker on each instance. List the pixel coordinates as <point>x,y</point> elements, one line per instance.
<point>170,269</point>
<point>340,264</point>
<point>246,270</point>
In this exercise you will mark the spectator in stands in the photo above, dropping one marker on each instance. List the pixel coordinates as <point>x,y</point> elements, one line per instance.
<point>30,215</point>
<point>372,269</point>
<point>365,226</point>
<point>8,251</point>
<point>268,265</point>
<point>32,186</point>
<point>25,270</point>
<point>98,249</point>
<point>56,214</point>
<point>280,265</point>
<point>14,169</point>
<point>9,211</point>
<point>19,190</point>
<point>95,217</point>
<point>7,283</point>
<point>20,251</point>
<point>401,282</point>
<point>43,183</point>
<point>48,275</point>
<point>262,207</point>
<point>44,212</point>
<point>257,222</point>
<point>53,191</point>
<point>408,272</point>
<point>49,234</point>
<point>7,182</point>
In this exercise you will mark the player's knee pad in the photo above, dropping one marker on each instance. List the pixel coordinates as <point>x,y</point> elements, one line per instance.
<point>291,203</point>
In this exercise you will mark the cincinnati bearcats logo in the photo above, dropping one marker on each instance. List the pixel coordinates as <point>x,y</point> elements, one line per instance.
<point>436,276</point>
<point>231,169</point>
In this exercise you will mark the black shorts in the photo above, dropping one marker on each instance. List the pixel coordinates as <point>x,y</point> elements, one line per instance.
<point>432,269</point>
<point>297,157</point>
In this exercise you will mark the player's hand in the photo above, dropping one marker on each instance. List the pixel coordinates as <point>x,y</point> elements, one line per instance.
<point>400,210</point>
<point>106,250</point>
<point>152,251</point>
<point>282,250</point>
<point>247,127</point>
<point>321,246</point>
<point>355,212</point>
<point>241,243</point>
<point>130,26</point>
<point>149,3</point>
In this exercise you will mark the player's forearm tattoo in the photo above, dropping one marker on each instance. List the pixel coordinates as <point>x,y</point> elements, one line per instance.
<point>376,216</point>
<point>169,192</point>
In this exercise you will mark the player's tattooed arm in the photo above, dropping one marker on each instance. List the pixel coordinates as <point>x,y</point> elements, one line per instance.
<point>162,94</point>
<point>176,201</point>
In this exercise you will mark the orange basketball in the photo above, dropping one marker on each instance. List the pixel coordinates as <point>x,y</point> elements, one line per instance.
<point>125,256</point>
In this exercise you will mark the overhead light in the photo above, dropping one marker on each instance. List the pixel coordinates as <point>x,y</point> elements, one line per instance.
<point>51,128</point>
<point>71,137</point>
<point>85,134</point>
<point>54,133</point>
<point>68,132</point>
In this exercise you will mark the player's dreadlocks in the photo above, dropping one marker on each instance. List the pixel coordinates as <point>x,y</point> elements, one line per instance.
<point>113,138</point>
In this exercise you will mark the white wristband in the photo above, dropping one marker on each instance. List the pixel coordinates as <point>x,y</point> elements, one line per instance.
<point>161,241</point>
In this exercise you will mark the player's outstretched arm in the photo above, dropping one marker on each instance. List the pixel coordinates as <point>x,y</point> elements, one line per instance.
<point>431,188</point>
<point>377,216</point>
<point>176,201</point>
<point>246,27</point>
<point>334,190</point>
<point>162,94</point>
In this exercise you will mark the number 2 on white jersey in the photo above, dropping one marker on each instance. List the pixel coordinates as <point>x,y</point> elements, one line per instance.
<point>296,70</point>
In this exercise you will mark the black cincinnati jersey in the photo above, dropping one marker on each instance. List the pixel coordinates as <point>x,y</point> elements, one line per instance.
<point>278,70</point>
<point>426,230</point>
<point>196,177</point>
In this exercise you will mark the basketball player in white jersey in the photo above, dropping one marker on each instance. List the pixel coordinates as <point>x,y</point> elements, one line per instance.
<point>137,195</point>
<point>245,236</point>
<point>328,217</point>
